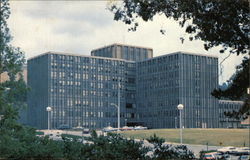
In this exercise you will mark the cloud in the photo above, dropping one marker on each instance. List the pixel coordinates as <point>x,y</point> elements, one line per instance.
<point>80,26</point>
<point>92,12</point>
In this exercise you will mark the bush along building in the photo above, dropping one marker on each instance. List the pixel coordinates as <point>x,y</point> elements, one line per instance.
<point>81,89</point>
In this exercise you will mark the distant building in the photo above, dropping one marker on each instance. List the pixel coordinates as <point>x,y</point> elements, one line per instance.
<point>229,106</point>
<point>80,89</point>
<point>121,51</point>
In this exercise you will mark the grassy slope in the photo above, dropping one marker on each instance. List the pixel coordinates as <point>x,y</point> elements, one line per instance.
<point>228,137</point>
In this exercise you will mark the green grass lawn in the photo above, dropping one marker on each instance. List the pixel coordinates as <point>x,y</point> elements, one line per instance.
<point>214,137</point>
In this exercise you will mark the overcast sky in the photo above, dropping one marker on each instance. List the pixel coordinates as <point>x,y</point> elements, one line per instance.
<point>80,26</point>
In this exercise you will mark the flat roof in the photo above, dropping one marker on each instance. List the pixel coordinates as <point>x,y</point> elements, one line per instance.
<point>181,52</point>
<point>72,54</point>
<point>119,44</point>
<point>230,101</point>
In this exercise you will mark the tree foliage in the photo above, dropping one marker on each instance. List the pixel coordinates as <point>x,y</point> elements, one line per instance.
<point>157,141</point>
<point>114,146</point>
<point>12,91</point>
<point>237,84</point>
<point>216,22</point>
<point>24,146</point>
<point>163,151</point>
<point>237,90</point>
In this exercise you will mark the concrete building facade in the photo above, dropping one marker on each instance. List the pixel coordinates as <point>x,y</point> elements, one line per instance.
<point>81,89</point>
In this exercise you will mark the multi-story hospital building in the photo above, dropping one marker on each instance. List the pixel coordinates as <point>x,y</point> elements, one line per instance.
<point>80,89</point>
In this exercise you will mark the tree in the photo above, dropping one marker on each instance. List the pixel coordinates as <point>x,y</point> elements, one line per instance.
<point>236,90</point>
<point>114,146</point>
<point>166,151</point>
<point>11,62</point>
<point>216,22</point>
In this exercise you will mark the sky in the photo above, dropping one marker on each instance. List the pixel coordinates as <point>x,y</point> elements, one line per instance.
<point>81,26</point>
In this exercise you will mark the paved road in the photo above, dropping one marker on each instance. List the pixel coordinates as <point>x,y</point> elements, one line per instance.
<point>197,148</point>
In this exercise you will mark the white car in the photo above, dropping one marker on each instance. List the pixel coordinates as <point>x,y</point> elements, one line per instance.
<point>217,155</point>
<point>227,150</point>
<point>140,128</point>
<point>109,129</point>
<point>243,151</point>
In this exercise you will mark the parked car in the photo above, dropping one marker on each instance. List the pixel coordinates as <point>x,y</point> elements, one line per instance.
<point>244,157</point>
<point>226,157</point>
<point>217,155</point>
<point>140,128</point>
<point>109,129</point>
<point>126,128</point>
<point>85,131</point>
<point>63,127</point>
<point>242,151</point>
<point>208,156</point>
<point>230,150</point>
<point>78,128</point>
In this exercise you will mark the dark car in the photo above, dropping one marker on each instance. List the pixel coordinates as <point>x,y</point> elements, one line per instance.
<point>244,157</point>
<point>86,131</point>
<point>63,127</point>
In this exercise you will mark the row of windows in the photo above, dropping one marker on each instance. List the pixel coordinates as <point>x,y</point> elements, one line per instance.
<point>89,85</point>
<point>228,106</point>
<point>64,93</point>
<point>156,68</point>
<point>63,78</point>
<point>74,102</point>
<point>85,68</point>
<point>176,57</point>
<point>77,59</point>
<point>57,114</point>
<point>163,78</point>
<point>171,113</point>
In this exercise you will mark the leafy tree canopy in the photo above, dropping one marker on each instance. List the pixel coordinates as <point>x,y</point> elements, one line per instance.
<point>12,91</point>
<point>216,22</point>
<point>237,84</point>
<point>237,90</point>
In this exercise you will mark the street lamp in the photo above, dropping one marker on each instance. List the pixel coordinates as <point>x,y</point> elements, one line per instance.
<point>180,108</point>
<point>118,115</point>
<point>118,106</point>
<point>125,122</point>
<point>175,122</point>
<point>49,109</point>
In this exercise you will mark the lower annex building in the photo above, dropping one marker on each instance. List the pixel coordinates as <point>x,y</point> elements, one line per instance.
<point>80,89</point>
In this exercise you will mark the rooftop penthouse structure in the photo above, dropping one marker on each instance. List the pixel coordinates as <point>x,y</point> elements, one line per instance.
<point>126,52</point>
